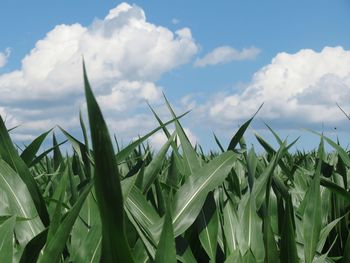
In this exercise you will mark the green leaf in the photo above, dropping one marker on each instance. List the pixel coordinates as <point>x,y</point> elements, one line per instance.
<point>161,206</point>
<point>336,189</point>
<point>57,155</point>
<point>191,196</point>
<point>230,227</point>
<point>32,249</point>
<point>127,184</point>
<point>191,161</point>
<point>184,251</point>
<point>57,213</point>
<point>234,257</point>
<point>249,257</point>
<point>259,187</point>
<point>72,184</point>
<point>80,149</point>
<point>59,190</point>
<point>167,133</point>
<point>341,152</point>
<point>139,252</point>
<point>9,154</point>
<point>252,162</point>
<point>271,252</point>
<point>325,232</point>
<point>90,247</point>
<point>44,154</point>
<point>278,139</point>
<point>20,204</point>
<point>166,251</point>
<point>107,185</point>
<point>55,246</point>
<point>288,249</point>
<point>312,214</point>
<point>174,174</point>
<point>87,148</point>
<point>123,154</point>
<point>143,216</point>
<point>153,168</point>
<point>251,238</point>
<point>237,137</point>
<point>31,150</point>
<point>137,204</point>
<point>6,240</point>
<point>88,219</point>
<point>346,256</point>
<point>145,235</point>
<point>218,143</point>
<point>208,226</point>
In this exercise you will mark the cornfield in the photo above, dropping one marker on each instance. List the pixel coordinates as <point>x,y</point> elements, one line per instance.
<point>174,205</point>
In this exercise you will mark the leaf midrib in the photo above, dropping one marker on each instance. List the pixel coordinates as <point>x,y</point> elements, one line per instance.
<point>18,203</point>
<point>199,190</point>
<point>137,207</point>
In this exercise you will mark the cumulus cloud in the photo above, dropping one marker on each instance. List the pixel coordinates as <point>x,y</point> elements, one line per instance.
<point>225,54</point>
<point>122,46</point>
<point>159,139</point>
<point>126,94</point>
<point>297,89</point>
<point>124,53</point>
<point>4,57</point>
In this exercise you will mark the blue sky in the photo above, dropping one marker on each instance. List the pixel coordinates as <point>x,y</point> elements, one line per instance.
<point>222,60</point>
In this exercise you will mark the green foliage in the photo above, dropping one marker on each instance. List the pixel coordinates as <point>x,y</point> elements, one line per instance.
<point>175,205</point>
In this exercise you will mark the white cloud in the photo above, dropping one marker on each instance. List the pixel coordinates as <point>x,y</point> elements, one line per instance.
<point>8,118</point>
<point>126,94</point>
<point>124,54</point>
<point>297,89</point>
<point>4,57</point>
<point>175,21</point>
<point>225,54</point>
<point>159,139</point>
<point>123,46</point>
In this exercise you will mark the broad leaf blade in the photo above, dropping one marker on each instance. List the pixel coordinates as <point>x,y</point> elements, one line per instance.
<point>191,196</point>
<point>124,153</point>
<point>208,226</point>
<point>31,150</point>
<point>166,251</point>
<point>191,160</point>
<point>107,185</point>
<point>312,214</point>
<point>288,249</point>
<point>20,203</point>
<point>9,154</point>
<point>153,168</point>
<point>55,246</point>
<point>237,137</point>
<point>6,240</point>
<point>90,247</point>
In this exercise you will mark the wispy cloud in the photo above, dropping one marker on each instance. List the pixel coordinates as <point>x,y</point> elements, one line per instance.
<point>226,54</point>
<point>175,21</point>
<point>4,57</point>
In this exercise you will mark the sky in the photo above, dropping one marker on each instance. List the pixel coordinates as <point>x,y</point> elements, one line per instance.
<point>219,59</point>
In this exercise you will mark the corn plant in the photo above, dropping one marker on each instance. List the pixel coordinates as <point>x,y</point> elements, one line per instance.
<point>174,205</point>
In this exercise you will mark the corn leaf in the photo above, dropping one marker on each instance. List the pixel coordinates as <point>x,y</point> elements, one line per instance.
<point>190,197</point>
<point>107,185</point>
<point>166,251</point>
<point>6,240</point>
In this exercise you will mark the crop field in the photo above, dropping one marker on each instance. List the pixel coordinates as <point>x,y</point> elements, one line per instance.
<point>104,203</point>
